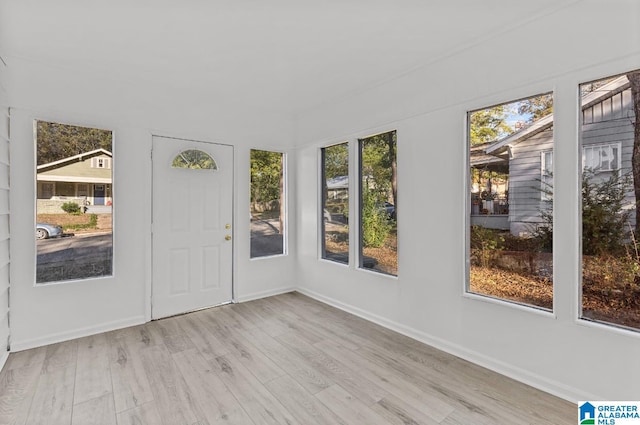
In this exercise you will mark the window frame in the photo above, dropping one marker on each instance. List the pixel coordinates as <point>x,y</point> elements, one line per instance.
<point>546,175</point>
<point>612,145</point>
<point>359,249</point>
<point>467,210</point>
<point>285,201</point>
<point>322,202</point>
<point>55,185</point>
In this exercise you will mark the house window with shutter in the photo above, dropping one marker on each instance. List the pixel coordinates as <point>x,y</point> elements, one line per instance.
<point>101,163</point>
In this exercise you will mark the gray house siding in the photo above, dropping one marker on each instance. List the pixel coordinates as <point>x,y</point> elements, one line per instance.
<point>612,121</point>
<point>525,185</point>
<point>609,121</point>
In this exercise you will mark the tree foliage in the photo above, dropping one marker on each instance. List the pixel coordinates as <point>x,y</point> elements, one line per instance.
<point>536,107</point>
<point>57,141</point>
<point>604,220</point>
<point>336,161</point>
<point>487,125</point>
<point>266,176</point>
<point>634,80</point>
<point>375,224</point>
<point>379,165</point>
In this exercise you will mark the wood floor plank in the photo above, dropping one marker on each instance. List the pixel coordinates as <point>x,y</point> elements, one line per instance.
<point>262,367</point>
<point>354,383</point>
<point>28,358</point>
<point>139,336</point>
<point>93,374</point>
<point>348,407</point>
<point>98,411</point>
<point>217,403</point>
<point>312,379</point>
<point>17,387</point>
<point>294,320</point>
<point>266,320</point>
<point>259,403</point>
<point>390,381</point>
<point>60,356</point>
<point>325,328</point>
<point>53,398</point>
<point>402,412</point>
<point>131,386</point>
<point>170,392</point>
<point>171,334</point>
<point>304,406</point>
<point>146,414</point>
<point>205,341</point>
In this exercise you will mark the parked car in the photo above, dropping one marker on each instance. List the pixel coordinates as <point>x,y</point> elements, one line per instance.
<point>46,231</point>
<point>389,209</point>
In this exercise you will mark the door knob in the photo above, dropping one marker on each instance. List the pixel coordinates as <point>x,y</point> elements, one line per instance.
<point>227,238</point>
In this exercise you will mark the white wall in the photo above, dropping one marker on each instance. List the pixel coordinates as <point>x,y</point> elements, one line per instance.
<point>555,352</point>
<point>47,313</point>
<point>5,236</point>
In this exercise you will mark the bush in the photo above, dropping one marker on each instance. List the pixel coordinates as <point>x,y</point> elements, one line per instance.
<point>485,244</point>
<point>71,208</point>
<point>375,226</point>
<point>603,216</point>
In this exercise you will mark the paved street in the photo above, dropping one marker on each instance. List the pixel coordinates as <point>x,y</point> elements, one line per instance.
<point>74,257</point>
<point>265,238</point>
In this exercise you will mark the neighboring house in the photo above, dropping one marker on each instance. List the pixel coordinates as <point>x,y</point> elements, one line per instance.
<point>607,143</point>
<point>338,187</point>
<point>85,178</point>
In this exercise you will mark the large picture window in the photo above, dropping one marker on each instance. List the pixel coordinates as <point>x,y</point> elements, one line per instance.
<point>335,203</point>
<point>510,201</point>
<point>74,202</point>
<point>267,203</point>
<point>610,141</point>
<point>378,203</point>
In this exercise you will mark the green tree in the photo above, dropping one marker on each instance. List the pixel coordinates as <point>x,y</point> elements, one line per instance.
<point>487,125</point>
<point>379,165</point>
<point>634,80</point>
<point>604,219</point>
<point>267,180</point>
<point>336,161</point>
<point>375,225</point>
<point>536,107</point>
<point>57,141</point>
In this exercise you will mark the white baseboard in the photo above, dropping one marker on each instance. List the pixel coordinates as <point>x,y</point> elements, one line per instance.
<point>544,384</point>
<point>76,333</point>
<point>3,359</point>
<point>264,294</point>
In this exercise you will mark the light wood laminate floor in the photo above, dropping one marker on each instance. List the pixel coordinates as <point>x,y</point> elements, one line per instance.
<point>282,360</point>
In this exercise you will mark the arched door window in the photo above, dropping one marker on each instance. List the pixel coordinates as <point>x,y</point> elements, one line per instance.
<point>194,159</point>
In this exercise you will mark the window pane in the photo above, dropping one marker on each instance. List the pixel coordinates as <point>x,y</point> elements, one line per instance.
<point>195,160</point>
<point>74,202</point>
<point>610,259</point>
<point>335,203</point>
<point>511,201</point>
<point>267,203</point>
<point>378,201</point>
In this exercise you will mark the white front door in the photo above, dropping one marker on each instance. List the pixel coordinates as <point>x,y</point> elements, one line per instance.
<point>192,218</point>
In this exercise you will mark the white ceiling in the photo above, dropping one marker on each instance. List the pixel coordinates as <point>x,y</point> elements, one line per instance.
<point>280,55</point>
